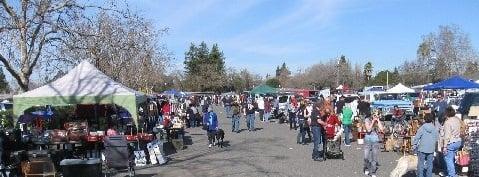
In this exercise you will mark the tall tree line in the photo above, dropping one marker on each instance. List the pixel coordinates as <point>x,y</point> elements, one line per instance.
<point>440,55</point>
<point>205,68</point>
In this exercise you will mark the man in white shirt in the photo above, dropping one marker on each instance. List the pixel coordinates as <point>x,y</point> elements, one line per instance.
<point>260,103</point>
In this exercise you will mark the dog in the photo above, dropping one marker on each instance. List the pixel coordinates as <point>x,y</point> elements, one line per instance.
<point>405,164</point>
<point>390,143</point>
<point>220,136</point>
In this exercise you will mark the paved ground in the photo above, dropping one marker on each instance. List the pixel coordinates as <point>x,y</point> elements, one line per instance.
<point>269,151</point>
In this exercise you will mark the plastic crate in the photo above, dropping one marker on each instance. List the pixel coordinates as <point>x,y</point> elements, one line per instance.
<point>81,168</point>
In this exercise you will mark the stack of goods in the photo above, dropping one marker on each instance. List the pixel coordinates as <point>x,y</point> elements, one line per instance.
<point>178,123</point>
<point>59,136</point>
<point>473,143</point>
<point>76,130</point>
<point>95,136</point>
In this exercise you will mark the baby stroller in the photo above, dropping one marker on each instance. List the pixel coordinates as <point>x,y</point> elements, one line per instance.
<point>333,145</point>
<point>118,155</point>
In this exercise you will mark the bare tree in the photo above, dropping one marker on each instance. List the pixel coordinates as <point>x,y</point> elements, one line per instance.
<point>124,46</point>
<point>29,29</point>
<point>446,52</point>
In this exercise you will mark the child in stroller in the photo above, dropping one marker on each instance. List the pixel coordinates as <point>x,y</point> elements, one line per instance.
<point>333,137</point>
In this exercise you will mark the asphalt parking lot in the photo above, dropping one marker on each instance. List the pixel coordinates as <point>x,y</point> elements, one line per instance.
<point>269,151</point>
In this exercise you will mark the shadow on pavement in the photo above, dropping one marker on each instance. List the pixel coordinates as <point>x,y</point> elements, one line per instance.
<point>226,144</point>
<point>169,148</point>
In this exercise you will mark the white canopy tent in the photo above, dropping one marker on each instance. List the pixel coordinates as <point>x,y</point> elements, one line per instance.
<point>400,89</point>
<point>84,84</point>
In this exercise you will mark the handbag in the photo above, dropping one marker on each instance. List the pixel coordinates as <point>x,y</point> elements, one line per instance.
<point>463,158</point>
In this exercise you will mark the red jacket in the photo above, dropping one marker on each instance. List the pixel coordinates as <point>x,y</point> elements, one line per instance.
<point>331,122</point>
<point>166,109</point>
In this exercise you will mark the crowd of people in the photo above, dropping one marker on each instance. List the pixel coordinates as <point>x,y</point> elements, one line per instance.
<point>327,118</point>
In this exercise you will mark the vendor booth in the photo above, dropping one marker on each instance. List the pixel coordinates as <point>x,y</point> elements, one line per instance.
<point>400,89</point>
<point>455,82</point>
<point>88,90</point>
<point>263,89</point>
<point>84,84</point>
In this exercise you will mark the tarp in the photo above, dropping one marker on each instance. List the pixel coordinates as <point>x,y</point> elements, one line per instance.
<point>263,89</point>
<point>400,89</point>
<point>455,82</point>
<point>84,84</point>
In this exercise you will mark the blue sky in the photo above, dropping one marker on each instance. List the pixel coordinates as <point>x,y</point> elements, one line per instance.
<point>261,34</point>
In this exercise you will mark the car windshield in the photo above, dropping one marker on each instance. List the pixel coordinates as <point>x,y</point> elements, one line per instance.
<point>413,95</point>
<point>283,99</point>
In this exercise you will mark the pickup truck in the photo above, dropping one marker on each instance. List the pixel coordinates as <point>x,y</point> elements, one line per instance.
<point>385,103</point>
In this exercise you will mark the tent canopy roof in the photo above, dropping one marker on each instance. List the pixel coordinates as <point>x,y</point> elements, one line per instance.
<point>400,89</point>
<point>83,80</point>
<point>455,82</point>
<point>84,84</point>
<point>263,89</point>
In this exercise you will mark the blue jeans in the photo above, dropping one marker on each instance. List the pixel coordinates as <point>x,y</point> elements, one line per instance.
<point>302,132</point>
<point>236,123</point>
<point>292,120</point>
<point>449,158</point>
<point>317,141</point>
<point>424,165</point>
<point>371,151</point>
<point>250,121</point>
<point>192,122</point>
<point>347,131</point>
<point>228,111</point>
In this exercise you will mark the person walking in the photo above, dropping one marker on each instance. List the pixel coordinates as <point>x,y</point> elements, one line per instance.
<point>303,114</point>
<point>210,122</point>
<point>315,123</point>
<point>249,111</point>
<point>267,109</point>
<point>276,107</point>
<point>371,147</point>
<point>340,104</point>
<point>347,121</point>
<point>424,144</point>
<point>191,115</point>
<point>227,103</point>
<point>292,113</point>
<point>397,116</point>
<point>439,107</point>
<point>364,108</point>
<point>236,117</point>
<point>260,102</point>
<point>451,140</point>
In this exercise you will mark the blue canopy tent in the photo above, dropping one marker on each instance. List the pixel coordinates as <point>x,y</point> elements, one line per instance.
<point>455,82</point>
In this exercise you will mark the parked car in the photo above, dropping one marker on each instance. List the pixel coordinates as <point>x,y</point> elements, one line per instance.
<point>385,103</point>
